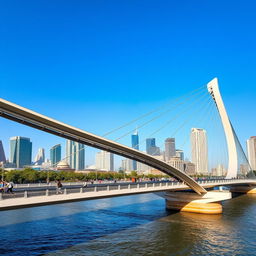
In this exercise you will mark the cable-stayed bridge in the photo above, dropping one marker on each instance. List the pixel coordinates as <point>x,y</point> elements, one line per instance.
<point>30,118</point>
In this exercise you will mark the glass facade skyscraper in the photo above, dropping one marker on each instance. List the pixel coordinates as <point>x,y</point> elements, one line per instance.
<point>151,147</point>
<point>75,155</point>
<point>55,154</point>
<point>135,145</point>
<point>20,151</point>
<point>2,155</point>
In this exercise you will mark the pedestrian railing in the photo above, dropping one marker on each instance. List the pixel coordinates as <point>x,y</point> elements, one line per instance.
<point>150,186</point>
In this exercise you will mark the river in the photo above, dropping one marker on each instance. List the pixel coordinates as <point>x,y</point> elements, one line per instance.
<point>129,225</point>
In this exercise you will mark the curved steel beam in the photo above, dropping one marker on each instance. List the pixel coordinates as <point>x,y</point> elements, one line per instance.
<point>30,118</point>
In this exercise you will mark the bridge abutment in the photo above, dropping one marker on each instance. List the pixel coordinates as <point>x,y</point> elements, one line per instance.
<point>208,203</point>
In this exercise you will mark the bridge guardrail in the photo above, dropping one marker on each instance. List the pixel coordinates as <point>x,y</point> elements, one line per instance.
<point>113,186</point>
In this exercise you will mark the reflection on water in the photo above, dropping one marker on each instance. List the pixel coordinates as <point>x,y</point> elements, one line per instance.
<point>132,225</point>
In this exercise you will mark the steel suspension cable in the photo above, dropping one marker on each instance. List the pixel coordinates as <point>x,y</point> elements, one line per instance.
<point>153,111</point>
<point>173,119</point>
<point>151,120</point>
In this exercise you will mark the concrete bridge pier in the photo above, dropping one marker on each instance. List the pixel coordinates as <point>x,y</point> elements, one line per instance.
<point>208,203</point>
<point>243,189</point>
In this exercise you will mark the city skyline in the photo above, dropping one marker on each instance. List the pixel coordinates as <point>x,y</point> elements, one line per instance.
<point>166,68</point>
<point>169,142</point>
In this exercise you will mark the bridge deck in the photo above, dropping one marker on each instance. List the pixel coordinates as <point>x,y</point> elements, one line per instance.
<point>121,190</point>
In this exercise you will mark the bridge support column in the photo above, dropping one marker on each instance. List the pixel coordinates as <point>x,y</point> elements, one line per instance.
<point>243,189</point>
<point>192,202</point>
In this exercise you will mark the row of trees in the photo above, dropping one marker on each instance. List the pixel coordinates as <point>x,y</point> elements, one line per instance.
<point>29,175</point>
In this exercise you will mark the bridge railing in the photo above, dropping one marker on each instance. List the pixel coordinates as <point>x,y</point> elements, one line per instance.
<point>108,187</point>
<point>40,185</point>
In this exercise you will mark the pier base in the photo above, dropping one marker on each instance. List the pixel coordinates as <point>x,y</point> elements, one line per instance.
<point>243,189</point>
<point>191,202</point>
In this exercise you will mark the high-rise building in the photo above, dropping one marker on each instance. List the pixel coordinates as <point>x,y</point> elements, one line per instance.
<point>75,155</point>
<point>180,154</point>
<point>135,145</point>
<point>189,168</point>
<point>127,164</point>
<point>169,148</point>
<point>177,163</point>
<point>40,157</point>
<point>2,155</point>
<point>251,151</point>
<point>55,154</point>
<point>104,161</point>
<point>20,151</point>
<point>199,150</point>
<point>220,170</point>
<point>151,147</point>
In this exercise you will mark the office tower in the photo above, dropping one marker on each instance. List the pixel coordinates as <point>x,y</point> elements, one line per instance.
<point>251,151</point>
<point>199,150</point>
<point>55,154</point>
<point>135,145</point>
<point>75,155</point>
<point>2,155</point>
<point>20,151</point>
<point>127,164</point>
<point>180,154</point>
<point>169,148</point>
<point>220,170</point>
<point>104,161</point>
<point>40,157</point>
<point>189,168</point>
<point>151,147</point>
<point>177,163</point>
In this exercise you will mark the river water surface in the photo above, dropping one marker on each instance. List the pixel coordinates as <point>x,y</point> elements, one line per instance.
<point>130,225</point>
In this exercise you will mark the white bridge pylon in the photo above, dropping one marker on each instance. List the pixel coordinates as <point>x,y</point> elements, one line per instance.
<point>213,89</point>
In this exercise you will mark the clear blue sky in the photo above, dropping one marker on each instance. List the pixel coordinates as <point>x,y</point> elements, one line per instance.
<point>96,64</point>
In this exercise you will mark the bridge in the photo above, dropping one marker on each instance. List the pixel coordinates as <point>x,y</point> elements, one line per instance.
<point>30,118</point>
<point>31,198</point>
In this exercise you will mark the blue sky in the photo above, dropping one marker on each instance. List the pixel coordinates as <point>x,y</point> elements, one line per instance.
<point>96,64</point>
